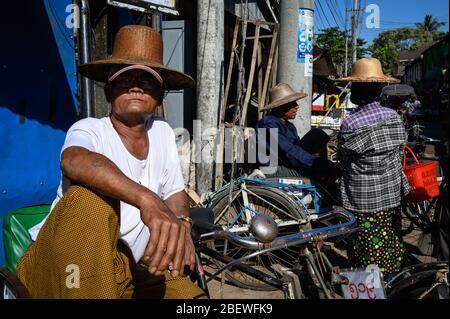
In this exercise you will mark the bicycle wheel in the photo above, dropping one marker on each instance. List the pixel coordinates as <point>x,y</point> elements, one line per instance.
<point>268,201</point>
<point>419,225</point>
<point>422,281</point>
<point>421,214</point>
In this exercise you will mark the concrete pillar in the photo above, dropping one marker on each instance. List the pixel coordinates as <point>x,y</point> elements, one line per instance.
<point>355,31</point>
<point>291,68</point>
<point>101,106</point>
<point>210,82</point>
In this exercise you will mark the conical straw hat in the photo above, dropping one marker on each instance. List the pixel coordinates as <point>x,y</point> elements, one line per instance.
<point>282,94</point>
<point>137,45</point>
<point>368,70</point>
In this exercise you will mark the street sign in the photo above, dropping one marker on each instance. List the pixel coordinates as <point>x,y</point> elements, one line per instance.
<point>149,6</point>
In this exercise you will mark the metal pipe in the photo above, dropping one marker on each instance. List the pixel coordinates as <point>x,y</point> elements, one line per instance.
<point>253,272</point>
<point>86,109</point>
<point>317,274</point>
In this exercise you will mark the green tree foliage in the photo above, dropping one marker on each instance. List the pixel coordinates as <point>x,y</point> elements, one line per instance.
<point>333,39</point>
<point>430,27</point>
<point>387,45</point>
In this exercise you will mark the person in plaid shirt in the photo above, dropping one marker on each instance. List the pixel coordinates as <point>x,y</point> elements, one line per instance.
<point>370,149</point>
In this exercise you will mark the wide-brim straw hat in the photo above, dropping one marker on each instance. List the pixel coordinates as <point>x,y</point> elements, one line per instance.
<point>368,70</point>
<point>282,94</point>
<point>137,45</point>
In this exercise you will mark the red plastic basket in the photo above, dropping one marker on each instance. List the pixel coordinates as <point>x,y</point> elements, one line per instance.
<point>421,177</point>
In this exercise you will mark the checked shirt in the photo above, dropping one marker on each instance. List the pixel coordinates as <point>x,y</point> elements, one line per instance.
<point>371,147</point>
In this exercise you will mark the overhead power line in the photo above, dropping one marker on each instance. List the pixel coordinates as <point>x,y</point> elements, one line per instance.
<point>333,14</point>
<point>319,21</point>
<point>338,8</point>
<point>336,12</point>
<point>323,12</point>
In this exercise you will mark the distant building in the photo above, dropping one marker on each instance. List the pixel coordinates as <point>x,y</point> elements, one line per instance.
<point>406,57</point>
<point>427,73</point>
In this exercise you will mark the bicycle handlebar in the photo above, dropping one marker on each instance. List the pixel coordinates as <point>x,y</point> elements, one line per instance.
<point>427,139</point>
<point>291,239</point>
<point>283,241</point>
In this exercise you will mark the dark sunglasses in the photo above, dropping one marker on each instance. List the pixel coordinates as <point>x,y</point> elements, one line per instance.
<point>143,83</point>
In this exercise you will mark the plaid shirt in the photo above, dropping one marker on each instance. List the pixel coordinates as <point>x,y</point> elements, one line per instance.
<point>371,157</point>
<point>366,115</point>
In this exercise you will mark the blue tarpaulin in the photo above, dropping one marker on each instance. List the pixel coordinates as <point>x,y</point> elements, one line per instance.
<point>38,100</point>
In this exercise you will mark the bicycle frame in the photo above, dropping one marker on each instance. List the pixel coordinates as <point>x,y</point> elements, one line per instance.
<point>288,285</point>
<point>302,190</point>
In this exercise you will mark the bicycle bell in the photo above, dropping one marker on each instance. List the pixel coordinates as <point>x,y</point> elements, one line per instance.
<point>264,228</point>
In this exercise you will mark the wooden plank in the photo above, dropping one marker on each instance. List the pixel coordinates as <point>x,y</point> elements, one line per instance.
<point>220,149</point>
<point>262,22</point>
<point>273,45</point>
<point>230,65</point>
<point>164,109</point>
<point>260,75</point>
<point>194,199</point>
<point>248,94</point>
<point>219,163</point>
<point>261,37</point>
<point>275,67</point>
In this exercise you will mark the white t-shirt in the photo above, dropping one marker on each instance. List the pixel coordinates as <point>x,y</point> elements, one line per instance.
<point>160,172</point>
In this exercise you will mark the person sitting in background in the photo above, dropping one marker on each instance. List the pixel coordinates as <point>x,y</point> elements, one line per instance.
<point>410,107</point>
<point>297,156</point>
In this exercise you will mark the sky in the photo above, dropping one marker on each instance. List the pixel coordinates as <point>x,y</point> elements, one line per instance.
<point>393,14</point>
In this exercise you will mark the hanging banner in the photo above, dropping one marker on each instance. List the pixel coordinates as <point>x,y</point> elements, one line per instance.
<point>305,39</point>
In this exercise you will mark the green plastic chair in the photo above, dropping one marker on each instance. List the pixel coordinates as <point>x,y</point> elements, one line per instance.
<point>16,238</point>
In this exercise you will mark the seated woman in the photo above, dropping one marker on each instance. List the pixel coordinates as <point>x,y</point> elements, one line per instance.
<point>297,156</point>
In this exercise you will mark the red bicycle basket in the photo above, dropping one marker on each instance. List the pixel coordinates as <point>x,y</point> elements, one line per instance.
<point>422,179</point>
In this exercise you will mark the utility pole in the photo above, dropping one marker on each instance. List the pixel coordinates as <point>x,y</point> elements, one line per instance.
<point>346,44</point>
<point>156,22</point>
<point>354,30</point>
<point>210,52</point>
<point>295,61</point>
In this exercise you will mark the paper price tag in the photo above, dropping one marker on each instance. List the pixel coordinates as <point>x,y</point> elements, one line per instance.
<point>364,283</point>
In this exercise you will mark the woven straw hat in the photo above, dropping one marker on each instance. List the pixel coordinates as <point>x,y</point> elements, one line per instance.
<point>368,70</point>
<point>137,45</point>
<point>282,94</point>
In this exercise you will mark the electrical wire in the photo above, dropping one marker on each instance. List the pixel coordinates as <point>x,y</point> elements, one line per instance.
<point>338,14</point>
<point>333,14</point>
<point>397,23</point>
<point>319,21</point>
<point>323,12</point>
<point>338,9</point>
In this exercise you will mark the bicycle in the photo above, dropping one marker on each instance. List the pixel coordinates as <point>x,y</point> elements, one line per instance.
<point>313,268</point>
<point>313,276</point>
<point>421,281</point>
<point>421,220</point>
<point>293,203</point>
<point>308,279</point>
